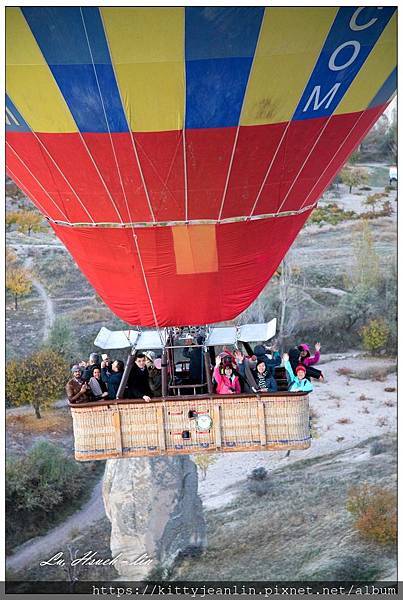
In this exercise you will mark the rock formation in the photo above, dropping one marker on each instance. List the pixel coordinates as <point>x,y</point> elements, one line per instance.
<point>154,510</point>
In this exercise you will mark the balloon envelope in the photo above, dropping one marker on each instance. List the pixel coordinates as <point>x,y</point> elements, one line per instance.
<point>177,152</point>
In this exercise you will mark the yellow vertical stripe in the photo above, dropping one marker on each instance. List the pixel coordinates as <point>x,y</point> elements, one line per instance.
<point>379,64</point>
<point>290,42</point>
<point>147,49</point>
<point>29,81</point>
<point>195,249</point>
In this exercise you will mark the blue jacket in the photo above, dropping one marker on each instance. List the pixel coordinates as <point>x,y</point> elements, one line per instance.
<point>297,385</point>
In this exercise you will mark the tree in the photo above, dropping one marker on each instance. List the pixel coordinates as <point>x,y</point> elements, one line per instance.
<point>28,221</point>
<point>18,282</point>
<point>366,268</point>
<point>61,338</point>
<point>354,158</point>
<point>375,335</point>
<point>353,177</point>
<point>38,380</point>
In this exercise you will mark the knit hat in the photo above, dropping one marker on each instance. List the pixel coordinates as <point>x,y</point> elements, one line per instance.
<point>300,368</point>
<point>150,355</point>
<point>75,368</point>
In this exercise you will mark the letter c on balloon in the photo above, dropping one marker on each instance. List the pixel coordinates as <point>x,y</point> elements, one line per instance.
<point>353,21</point>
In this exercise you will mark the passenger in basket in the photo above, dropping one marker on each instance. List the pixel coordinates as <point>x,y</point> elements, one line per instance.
<point>154,373</point>
<point>298,355</point>
<point>226,379</point>
<point>77,390</point>
<point>269,355</point>
<point>138,383</point>
<point>93,363</point>
<point>112,378</point>
<point>196,359</point>
<point>264,379</point>
<point>307,360</point>
<point>298,382</point>
<point>99,388</point>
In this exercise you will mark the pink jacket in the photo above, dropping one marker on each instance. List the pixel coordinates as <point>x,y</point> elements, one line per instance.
<point>310,360</point>
<point>225,385</point>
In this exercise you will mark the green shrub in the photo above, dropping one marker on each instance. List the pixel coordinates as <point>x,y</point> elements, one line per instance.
<point>62,338</point>
<point>375,511</point>
<point>331,214</point>
<point>203,462</point>
<point>38,484</point>
<point>375,335</point>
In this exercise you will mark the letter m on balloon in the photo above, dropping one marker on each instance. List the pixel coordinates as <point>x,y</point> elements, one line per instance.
<point>319,101</point>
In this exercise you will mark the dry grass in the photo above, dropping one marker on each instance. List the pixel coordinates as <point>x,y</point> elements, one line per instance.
<point>382,421</point>
<point>365,410</point>
<point>55,421</point>
<point>345,371</point>
<point>375,510</point>
<point>90,315</point>
<point>344,421</point>
<point>362,397</point>
<point>390,389</point>
<point>389,403</point>
<point>376,373</point>
<point>339,438</point>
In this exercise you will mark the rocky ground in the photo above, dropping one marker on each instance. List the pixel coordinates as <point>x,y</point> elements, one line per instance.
<point>299,529</point>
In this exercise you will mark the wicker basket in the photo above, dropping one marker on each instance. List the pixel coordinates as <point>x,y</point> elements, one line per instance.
<point>125,428</point>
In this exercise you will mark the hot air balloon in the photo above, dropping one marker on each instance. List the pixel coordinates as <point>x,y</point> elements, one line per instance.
<point>177,152</point>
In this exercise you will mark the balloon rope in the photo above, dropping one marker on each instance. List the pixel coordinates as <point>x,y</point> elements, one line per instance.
<point>147,288</point>
<point>268,170</point>
<point>128,126</point>
<point>228,173</point>
<point>334,156</point>
<point>29,194</point>
<point>38,182</point>
<point>185,173</point>
<point>146,224</point>
<point>304,163</point>
<point>63,175</point>
<point>239,122</point>
<point>109,133</point>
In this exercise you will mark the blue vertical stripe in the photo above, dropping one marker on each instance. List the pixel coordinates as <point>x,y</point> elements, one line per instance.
<point>62,38</point>
<point>386,92</point>
<point>219,47</point>
<point>327,86</point>
<point>14,120</point>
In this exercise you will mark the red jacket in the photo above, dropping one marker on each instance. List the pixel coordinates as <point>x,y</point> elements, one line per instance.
<point>225,385</point>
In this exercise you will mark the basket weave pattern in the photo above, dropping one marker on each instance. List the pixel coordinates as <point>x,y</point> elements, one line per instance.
<point>128,429</point>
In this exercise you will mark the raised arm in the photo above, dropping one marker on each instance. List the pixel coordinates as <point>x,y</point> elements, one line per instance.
<point>288,367</point>
<point>312,360</point>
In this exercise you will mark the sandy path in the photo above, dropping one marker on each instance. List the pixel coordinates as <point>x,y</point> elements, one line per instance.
<point>49,309</point>
<point>45,546</point>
